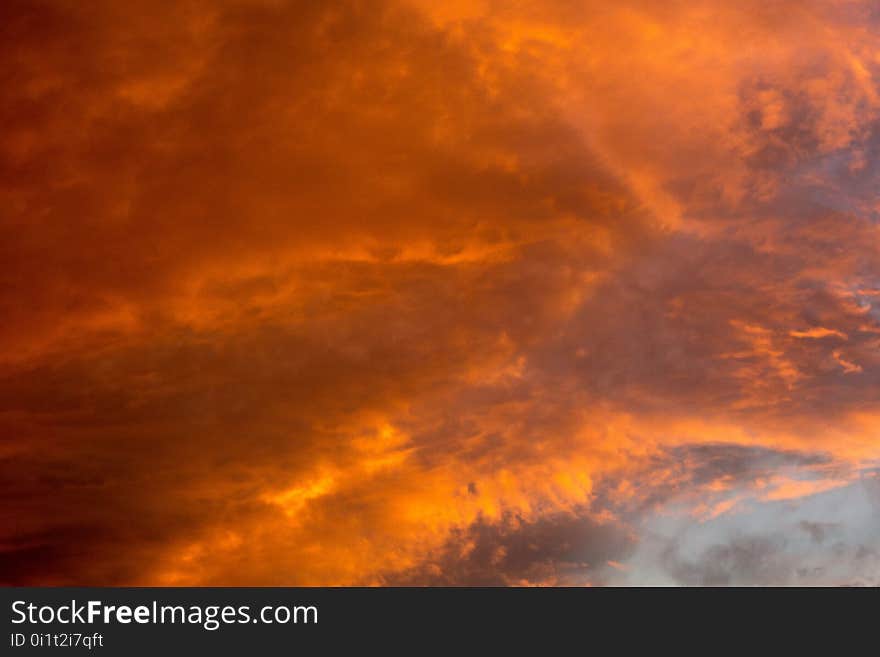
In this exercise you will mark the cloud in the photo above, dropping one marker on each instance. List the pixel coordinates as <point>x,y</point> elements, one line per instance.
<point>823,539</point>
<point>555,550</point>
<point>348,294</point>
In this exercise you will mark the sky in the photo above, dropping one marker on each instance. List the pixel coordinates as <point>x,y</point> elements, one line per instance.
<point>463,293</point>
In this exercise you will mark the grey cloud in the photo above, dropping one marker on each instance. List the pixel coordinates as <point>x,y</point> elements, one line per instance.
<point>560,549</point>
<point>830,538</point>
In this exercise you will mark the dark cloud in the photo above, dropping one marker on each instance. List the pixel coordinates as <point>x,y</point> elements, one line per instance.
<point>560,549</point>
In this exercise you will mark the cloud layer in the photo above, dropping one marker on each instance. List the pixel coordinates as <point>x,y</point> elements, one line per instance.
<point>468,293</point>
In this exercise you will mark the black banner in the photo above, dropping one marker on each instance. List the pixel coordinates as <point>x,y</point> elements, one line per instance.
<point>149,621</point>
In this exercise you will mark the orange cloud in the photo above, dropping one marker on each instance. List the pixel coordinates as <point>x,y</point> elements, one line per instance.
<point>428,292</point>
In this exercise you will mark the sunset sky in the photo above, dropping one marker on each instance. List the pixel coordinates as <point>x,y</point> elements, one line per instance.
<point>473,292</point>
